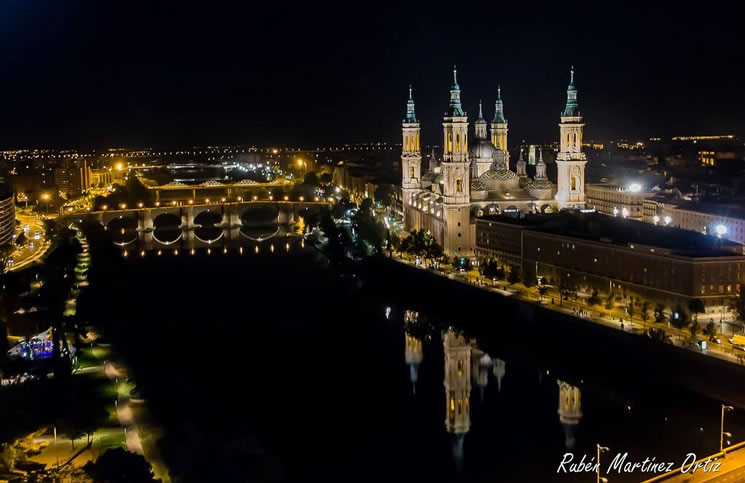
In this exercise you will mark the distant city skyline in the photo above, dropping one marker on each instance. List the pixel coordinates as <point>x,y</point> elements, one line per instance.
<point>83,75</point>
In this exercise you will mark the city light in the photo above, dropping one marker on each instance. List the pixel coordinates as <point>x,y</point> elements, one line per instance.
<point>668,220</point>
<point>656,219</point>
<point>635,187</point>
<point>721,230</point>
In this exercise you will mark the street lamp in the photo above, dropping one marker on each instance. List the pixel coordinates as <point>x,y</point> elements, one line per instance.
<point>721,429</point>
<point>45,197</point>
<point>601,449</point>
<point>721,230</point>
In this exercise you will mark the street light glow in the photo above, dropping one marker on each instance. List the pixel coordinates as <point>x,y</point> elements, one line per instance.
<point>721,230</point>
<point>635,187</point>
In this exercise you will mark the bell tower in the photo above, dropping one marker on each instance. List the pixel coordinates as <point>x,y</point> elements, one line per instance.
<point>456,177</point>
<point>411,156</point>
<point>499,124</point>
<point>571,160</point>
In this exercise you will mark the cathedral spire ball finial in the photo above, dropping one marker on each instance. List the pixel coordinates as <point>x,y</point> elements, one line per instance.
<point>481,113</point>
<point>499,108</point>
<point>455,107</point>
<point>572,107</point>
<point>410,113</point>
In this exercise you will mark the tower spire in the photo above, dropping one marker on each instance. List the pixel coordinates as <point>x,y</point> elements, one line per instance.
<point>540,168</point>
<point>499,108</point>
<point>572,107</point>
<point>455,108</point>
<point>410,114</point>
<point>480,124</point>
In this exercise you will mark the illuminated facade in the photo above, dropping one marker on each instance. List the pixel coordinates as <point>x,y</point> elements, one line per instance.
<point>614,200</point>
<point>7,215</point>
<point>474,177</point>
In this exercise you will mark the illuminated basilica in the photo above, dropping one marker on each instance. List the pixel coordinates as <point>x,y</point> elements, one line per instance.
<point>473,179</point>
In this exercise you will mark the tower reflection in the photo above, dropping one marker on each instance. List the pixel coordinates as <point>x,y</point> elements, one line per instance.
<point>570,411</point>
<point>457,390</point>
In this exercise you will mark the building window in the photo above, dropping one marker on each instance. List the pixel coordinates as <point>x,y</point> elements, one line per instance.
<point>458,185</point>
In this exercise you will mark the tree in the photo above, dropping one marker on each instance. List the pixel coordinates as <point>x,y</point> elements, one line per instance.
<point>594,298</point>
<point>645,311</point>
<point>326,178</point>
<point>696,306</point>
<point>137,192</point>
<point>630,310</point>
<point>542,290</point>
<point>610,301</point>
<point>120,466</point>
<point>528,277</point>
<point>710,330</point>
<point>738,305</point>
<point>370,233</point>
<point>659,313</point>
<point>694,328</point>
<point>500,273</point>
<point>679,318</point>
<point>311,179</point>
<point>385,194</point>
<point>489,269</point>
<point>514,275</point>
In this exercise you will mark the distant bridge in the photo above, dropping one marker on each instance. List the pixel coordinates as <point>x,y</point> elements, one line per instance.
<point>200,225</point>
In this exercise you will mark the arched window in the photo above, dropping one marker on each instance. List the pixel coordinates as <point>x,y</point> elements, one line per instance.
<point>417,142</point>
<point>411,172</point>
<point>459,185</point>
<point>450,142</point>
<point>574,183</point>
<point>406,143</point>
<point>457,142</point>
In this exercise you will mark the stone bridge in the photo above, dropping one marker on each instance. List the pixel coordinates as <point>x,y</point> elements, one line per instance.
<point>201,225</point>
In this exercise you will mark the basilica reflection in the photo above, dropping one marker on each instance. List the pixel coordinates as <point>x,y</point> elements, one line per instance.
<point>570,411</point>
<point>467,367</point>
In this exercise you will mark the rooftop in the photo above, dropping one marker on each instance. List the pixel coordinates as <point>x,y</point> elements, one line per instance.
<point>626,232</point>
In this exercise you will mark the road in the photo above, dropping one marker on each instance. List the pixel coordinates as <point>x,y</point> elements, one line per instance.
<point>25,256</point>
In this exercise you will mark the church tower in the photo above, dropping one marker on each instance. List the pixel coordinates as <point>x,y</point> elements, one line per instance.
<point>411,156</point>
<point>571,160</point>
<point>456,179</point>
<point>499,124</point>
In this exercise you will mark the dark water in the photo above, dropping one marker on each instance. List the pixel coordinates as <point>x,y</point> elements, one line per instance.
<point>276,367</point>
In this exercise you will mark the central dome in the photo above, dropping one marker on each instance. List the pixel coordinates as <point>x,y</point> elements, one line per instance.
<point>481,149</point>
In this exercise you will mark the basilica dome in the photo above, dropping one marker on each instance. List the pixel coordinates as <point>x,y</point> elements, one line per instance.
<point>481,149</point>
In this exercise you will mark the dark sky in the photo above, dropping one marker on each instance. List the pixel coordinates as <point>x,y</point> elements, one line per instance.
<point>102,73</point>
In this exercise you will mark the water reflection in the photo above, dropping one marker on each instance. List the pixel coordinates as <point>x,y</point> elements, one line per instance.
<point>570,411</point>
<point>466,365</point>
<point>457,390</point>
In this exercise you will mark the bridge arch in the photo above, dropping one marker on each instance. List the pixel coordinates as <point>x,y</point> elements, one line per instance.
<point>123,230</point>
<point>167,228</point>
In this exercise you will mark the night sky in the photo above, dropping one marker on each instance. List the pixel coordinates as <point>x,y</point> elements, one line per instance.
<point>129,73</point>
